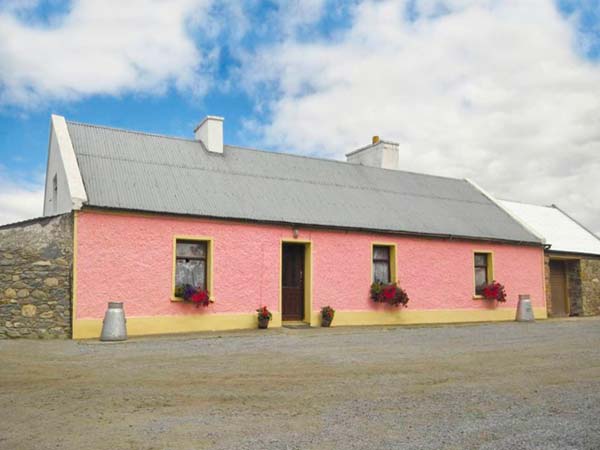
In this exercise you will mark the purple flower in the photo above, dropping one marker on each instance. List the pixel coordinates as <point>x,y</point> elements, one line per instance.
<point>188,291</point>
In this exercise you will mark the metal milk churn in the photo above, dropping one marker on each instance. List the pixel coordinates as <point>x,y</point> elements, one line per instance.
<point>113,325</point>
<point>524,309</point>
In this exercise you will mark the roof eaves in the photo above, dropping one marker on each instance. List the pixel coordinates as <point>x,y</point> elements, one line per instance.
<point>573,254</point>
<point>320,226</point>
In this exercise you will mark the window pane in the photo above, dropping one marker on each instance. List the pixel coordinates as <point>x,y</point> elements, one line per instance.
<point>381,252</point>
<point>191,272</point>
<point>381,271</point>
<point>191,249</point>
<point>480,278</point>
<point>481,259</point>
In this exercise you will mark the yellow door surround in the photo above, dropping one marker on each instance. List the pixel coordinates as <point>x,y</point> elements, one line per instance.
<point>309,317</point>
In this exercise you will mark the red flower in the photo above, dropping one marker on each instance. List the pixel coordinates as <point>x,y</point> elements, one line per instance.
<point>263,313</point>
<point>494,291</point>
<point>200,297</point>
<point>389,292</point>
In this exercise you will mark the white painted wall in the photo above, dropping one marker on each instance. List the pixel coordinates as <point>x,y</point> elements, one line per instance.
<point>56,169</point>
<point>62,164</point>
<point>384,154</point>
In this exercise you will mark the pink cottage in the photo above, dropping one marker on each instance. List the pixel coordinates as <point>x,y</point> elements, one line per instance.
<point>153,213</point>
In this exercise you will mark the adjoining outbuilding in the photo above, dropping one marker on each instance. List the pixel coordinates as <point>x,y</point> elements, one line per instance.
<point>572,259</point>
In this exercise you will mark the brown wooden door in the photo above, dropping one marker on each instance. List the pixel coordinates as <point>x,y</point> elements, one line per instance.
<point>558,289</point>
<point>292,282</point>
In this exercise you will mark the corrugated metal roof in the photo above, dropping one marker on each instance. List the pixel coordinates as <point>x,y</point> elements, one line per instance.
<point>560,231</point>
<point>138,171</point>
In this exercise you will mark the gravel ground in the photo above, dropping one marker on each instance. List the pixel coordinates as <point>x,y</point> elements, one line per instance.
<point>494,386</point>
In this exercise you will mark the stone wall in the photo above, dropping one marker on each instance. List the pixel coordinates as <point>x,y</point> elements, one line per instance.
<point>583,285</point>
<point>590,286</point>
<point>35,278</point>
<point>572,268</point>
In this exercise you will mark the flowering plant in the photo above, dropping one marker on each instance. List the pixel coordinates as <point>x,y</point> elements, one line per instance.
<point>191,294</point>
<point>327,313</point>
<point>494,291</point>
<point>392,294</point>
<point>264,313</point>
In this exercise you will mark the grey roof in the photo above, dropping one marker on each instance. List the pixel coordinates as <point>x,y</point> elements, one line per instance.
<point>138,171</point>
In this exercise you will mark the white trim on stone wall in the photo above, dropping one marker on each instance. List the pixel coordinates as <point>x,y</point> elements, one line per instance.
<point>68,160</point>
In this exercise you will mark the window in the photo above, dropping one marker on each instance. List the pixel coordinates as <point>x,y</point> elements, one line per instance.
<point>191,263</point>
<point>382,263</point>
<point>483,271</point>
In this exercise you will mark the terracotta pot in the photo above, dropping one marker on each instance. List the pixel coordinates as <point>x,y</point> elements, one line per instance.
<point>325,322</point>
<point>263,322</point>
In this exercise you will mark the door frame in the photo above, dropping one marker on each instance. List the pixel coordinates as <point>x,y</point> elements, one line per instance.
<point>307,244</point>
<point>563,261</point>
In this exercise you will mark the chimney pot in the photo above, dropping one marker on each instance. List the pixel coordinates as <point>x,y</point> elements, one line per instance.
<point>375,139</point>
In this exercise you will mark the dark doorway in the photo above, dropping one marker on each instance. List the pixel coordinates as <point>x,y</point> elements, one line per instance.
<point>558,289</point>
<point>292,282</point>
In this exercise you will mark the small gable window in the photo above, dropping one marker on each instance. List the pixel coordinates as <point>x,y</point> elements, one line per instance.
<point>483,271</point>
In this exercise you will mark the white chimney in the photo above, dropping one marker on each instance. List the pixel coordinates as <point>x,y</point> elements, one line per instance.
<point>382,154</point>
<point>210,132</point>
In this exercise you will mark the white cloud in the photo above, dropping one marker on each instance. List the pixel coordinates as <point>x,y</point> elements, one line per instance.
<point>491,90</point>
<point>20,199</point>
<point>292,16</point>
<point>108,47</point>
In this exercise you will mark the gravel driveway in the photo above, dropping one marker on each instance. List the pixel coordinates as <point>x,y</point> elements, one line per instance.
<point>497,386</point>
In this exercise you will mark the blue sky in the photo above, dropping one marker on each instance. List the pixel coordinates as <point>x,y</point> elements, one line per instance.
<point>497,91</point>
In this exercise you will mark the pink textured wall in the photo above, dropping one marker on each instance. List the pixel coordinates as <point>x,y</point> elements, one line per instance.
<point>129,258</point>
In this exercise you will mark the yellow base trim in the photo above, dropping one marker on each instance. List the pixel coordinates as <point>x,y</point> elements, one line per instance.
<point>141,326</point>
<point>414,317</point>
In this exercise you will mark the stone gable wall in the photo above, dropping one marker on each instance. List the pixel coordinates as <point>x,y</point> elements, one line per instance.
<point>35,278</point>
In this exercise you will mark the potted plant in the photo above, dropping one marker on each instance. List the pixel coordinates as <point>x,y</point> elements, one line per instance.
<point>191,294</point>
<point>392,294</point>
<point>264,316</point>
<point>494,291</point>
<point>327,313</point>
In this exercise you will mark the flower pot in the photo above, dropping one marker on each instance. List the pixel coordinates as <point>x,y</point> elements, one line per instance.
<point>326,321</point>
<point>263,322</point>
<point>490,303</point>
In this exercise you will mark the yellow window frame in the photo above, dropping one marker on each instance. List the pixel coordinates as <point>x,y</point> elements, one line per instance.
<point>393,265</point>
<point>490,269</point>
<point>209,263</point>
